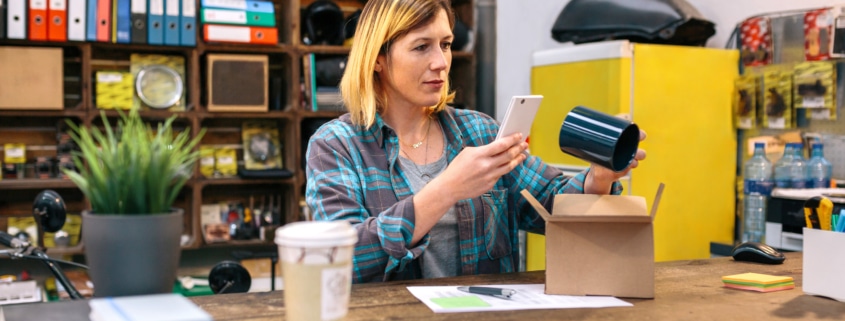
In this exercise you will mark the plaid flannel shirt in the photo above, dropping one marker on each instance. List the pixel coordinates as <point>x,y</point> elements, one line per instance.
<point>353,174</point>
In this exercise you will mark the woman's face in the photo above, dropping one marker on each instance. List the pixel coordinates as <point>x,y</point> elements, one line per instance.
<point>415,69</point>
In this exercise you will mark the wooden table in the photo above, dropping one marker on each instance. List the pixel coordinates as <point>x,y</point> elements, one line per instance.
<point>685,290</point>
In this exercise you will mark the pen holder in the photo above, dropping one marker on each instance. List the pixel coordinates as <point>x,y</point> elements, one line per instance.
<point>599,138</point>
<point>824,256</point>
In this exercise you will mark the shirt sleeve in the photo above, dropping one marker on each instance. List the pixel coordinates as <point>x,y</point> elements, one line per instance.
<point>335,191</point>
<point>544,182</point>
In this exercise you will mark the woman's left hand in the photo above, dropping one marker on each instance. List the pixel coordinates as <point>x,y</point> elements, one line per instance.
<point>600,179</point>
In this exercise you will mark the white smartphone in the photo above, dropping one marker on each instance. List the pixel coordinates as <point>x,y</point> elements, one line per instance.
<point>520,115</point>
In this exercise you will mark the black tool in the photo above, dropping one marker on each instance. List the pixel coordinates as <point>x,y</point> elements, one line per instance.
<point>49,212</point>
<point>229,277</point>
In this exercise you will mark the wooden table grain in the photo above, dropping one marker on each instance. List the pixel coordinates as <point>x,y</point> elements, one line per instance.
<point>684,290</point>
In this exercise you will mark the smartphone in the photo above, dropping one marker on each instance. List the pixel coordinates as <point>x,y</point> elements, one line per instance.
<point>520,115</point>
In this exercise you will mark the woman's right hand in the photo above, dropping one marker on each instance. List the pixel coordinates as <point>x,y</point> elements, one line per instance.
<point>476,169</point>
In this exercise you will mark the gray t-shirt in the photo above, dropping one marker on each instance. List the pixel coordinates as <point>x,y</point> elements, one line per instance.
<point>442,257</point>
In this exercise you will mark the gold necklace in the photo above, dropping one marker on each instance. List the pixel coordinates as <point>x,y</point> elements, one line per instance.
<point>419,143</point>
<point>424,176</point>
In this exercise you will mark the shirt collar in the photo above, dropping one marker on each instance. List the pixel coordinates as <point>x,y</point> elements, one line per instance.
<point>380,130</point>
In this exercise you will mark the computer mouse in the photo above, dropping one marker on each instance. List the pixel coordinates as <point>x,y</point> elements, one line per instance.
<point>757,252</point>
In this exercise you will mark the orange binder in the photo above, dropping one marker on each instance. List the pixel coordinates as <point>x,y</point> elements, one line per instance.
<point>38,20</point>
<point>104,20</point>
<point>57,25</point>
<point>240,34</point>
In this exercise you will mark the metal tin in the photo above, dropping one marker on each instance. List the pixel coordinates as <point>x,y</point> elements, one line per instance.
<point>159,86</point>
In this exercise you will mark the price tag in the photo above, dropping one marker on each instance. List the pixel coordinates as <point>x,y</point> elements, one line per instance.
<point>207,161</point>
<point>109,77</point>
<point>812,102</point>
<point>225,160</point>
<point>823,113</point>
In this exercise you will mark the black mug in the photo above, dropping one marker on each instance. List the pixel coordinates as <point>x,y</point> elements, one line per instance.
<point>599,138</point>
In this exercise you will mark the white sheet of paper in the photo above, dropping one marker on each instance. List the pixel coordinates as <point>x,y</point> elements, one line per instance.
<point>528,296</point>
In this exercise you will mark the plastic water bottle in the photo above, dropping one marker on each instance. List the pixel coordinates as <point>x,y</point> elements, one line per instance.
<point>758,187</point>
<point>799,167</point>
<point>819,168</point>
<point>783,168</point>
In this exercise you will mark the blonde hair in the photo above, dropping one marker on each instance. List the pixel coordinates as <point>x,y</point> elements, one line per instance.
<point>380,24</point>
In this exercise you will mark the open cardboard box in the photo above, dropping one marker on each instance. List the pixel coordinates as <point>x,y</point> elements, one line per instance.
<point>599,244</point>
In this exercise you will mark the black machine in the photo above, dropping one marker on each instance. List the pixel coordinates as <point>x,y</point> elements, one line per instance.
<point>229,277</point>
<point>322,23</point>
<point>50,214</point>
<point>647,21</point>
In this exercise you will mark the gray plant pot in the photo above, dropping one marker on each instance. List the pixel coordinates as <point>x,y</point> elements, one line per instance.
<point>132,254</point>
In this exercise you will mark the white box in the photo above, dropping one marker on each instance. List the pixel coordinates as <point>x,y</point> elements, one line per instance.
<point>824,257</point>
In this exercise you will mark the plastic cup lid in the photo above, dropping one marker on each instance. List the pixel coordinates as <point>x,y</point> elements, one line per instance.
<point>316,234</point>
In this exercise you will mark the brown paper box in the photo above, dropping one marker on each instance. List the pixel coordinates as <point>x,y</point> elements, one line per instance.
<point>599,245</point>
<point>31,78</point>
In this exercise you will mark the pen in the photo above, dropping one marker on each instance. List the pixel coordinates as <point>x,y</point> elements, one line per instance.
<point>496,292</point>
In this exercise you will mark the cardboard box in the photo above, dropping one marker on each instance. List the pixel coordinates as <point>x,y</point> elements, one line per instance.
<point>32,78</point>
<point>599,245</point>
<point>824,257</point>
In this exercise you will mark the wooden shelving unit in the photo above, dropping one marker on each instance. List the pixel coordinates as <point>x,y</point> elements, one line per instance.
<point>39,128</point>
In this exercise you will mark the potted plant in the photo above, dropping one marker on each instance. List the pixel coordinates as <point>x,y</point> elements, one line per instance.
<point>131,174</point>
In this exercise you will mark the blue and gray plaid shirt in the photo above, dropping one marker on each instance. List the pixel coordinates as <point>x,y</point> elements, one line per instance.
<point>354,175</point>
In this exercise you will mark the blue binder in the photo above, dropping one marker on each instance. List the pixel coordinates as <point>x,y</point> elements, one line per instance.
<point>124,22</point>
<point>249,5</point>
<point>188,19</point>
<point>155,24</point>
<point>171,22</point>
<point>91,21</point>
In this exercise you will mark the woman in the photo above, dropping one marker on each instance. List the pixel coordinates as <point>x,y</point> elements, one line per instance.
<point>429,191</point>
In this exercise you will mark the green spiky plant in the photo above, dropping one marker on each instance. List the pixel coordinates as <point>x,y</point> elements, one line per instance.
<point>132,169</point>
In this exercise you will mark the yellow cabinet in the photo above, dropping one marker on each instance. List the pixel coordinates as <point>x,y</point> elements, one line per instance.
<point>681,96</point>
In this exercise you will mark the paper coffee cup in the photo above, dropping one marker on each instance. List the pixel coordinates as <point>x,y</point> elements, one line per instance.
<point>316,261</point>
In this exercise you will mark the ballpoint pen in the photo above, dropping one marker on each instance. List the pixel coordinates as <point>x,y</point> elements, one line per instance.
<point>496,292</point>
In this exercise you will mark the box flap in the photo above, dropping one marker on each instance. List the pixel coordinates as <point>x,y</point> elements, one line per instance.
<point>599,208</point>
<point>536,204</point>
<point>657,200</point>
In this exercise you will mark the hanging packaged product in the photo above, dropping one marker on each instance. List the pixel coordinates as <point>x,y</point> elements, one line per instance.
<point>777,99</point>
<point>814,88</point>
<point>745,97</point>
<point>262,149</point>
<point>225,162</point>
<point>207,161</point>
<point>756,41</point>
<point>818,34</point>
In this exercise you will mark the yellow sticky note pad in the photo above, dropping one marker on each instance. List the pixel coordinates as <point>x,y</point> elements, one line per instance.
<point>757,278</point>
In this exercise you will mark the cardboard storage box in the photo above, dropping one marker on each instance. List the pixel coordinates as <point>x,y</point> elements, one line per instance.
<point>824,257</point>
<point>31,78</point>
<point>599,245</point>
